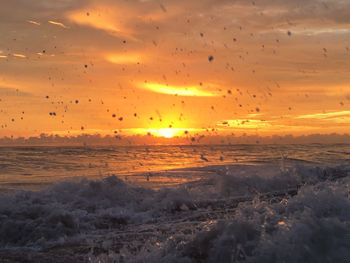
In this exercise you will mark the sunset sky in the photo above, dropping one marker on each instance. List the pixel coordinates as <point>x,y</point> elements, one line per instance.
<point>165,67</point>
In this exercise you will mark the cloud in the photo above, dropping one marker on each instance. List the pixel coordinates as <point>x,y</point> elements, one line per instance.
<point>268,126</point>
<point>33,22</point>
<point>57,24</point>
<point>98,17</point>
<point>17,55</point>
<point>187,91</point>
<point>168,44</point>
<point>6,91</point>
<point>125,58</point>
<point>335,116</point>
<point>324,115</point>
<point>244,124</point>
<point>116,18</point>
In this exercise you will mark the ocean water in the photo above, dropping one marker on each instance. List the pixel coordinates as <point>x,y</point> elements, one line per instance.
<point>35,167</point>
<point>176,204</point>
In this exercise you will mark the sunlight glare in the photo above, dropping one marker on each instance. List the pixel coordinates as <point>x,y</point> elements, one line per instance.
<point>166,132</point>
<point>177,90</point>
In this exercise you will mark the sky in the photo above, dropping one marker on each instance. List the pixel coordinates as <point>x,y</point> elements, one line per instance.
<point>173,67</point>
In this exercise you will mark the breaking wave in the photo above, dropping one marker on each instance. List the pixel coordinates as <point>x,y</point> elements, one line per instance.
<point>257,213</point>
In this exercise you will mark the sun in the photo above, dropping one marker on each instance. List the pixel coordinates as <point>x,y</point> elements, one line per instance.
<point>166,132</point>
<point>163,132</point>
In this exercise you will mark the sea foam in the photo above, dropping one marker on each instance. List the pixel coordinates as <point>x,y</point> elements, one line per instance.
<point>247,213</point>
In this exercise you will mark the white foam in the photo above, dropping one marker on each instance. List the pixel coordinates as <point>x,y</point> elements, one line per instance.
<point>236,212</point>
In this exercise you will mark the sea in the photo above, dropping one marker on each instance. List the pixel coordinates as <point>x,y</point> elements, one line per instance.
<point>175,204</point>
<point>35,167</point>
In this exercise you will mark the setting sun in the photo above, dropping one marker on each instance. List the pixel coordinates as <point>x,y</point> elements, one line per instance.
<point>185,123</point>
<point>167,132</point>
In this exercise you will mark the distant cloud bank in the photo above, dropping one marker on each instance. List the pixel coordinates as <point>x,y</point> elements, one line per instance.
<point>98,140</point>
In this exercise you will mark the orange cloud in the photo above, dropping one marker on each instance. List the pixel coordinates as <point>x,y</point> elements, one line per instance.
<point>339,117</point>
<point>100,17</point>
<point>328,115</point>
<point>117,19</point>
<point>126,58</point>
<point>245,124</point>
<point>19,55</point>
<point>33,22</point>
<point>177,90</point>
<point>57,24</point>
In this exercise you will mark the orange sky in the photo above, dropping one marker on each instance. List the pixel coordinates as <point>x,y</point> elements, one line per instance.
<point>265,67</point>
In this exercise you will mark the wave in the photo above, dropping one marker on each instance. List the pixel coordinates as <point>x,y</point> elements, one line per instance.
<point>257,213</point>
<point>312,226</point>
